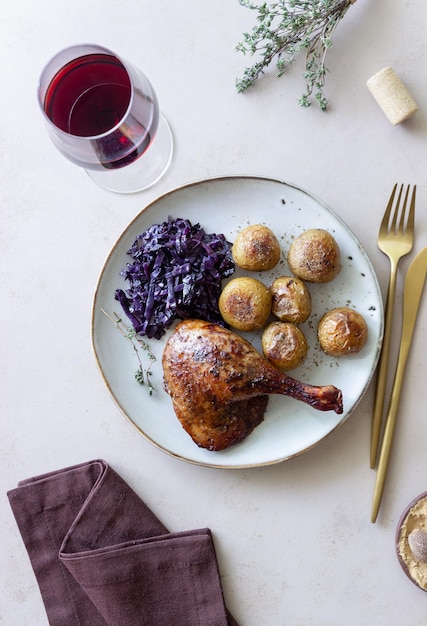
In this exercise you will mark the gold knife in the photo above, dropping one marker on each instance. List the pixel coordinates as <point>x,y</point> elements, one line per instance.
<point>412,292</point>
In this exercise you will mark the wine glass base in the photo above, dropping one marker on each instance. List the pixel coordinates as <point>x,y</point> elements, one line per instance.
<point>145,171</point>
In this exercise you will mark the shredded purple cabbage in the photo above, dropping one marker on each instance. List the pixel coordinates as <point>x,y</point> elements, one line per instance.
<point>176,273</point>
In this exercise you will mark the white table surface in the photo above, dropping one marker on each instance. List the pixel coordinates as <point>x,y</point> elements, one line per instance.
<point>294,540</point>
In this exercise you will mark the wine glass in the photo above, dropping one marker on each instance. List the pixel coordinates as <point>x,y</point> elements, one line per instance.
<point>102,114</point>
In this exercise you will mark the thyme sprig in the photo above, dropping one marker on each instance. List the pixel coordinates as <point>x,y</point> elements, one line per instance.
<point>142,374</point>
<point>285,28</point>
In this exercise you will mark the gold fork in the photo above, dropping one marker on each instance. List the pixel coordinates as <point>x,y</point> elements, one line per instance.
<point>395,239</point>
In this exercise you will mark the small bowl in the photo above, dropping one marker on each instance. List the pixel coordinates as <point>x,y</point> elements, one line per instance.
<point>408,516</point>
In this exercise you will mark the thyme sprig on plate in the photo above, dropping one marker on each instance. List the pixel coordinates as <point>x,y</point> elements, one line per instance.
<point>143,374</point>
<point>285,28</point>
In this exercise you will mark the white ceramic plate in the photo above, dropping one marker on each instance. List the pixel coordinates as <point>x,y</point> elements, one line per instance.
<point>226,205</point>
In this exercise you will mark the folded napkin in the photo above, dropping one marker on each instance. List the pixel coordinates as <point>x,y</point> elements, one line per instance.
<point>101,557</point>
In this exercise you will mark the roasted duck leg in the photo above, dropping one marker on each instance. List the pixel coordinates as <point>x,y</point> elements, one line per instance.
<point>219,384</point>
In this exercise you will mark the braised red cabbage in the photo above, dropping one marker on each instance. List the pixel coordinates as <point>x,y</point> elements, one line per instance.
<point>175,273</point>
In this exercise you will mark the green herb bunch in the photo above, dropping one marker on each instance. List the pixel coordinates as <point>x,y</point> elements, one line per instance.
<point>285,28</point>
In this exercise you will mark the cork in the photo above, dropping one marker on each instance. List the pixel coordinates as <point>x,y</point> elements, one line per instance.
<point>392,95</point>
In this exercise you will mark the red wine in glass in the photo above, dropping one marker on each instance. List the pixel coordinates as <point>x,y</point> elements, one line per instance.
<point>103,115</point>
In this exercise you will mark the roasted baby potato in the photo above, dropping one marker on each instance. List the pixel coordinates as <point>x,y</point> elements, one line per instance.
<point>314,256</point>
<point>256,248</point>
<point>291,300</point>
<point>284,345</point>
<point>245,303</point>
<point>342,331</point>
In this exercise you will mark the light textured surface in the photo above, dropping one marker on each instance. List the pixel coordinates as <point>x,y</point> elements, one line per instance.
<point>294,541</point>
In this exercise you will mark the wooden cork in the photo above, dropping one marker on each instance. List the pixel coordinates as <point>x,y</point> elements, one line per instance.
<point>392,95</point>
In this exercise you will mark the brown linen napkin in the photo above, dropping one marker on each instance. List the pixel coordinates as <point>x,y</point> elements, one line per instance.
<point>101,557</point>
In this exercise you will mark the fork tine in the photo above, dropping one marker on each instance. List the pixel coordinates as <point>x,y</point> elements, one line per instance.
<point>393,225</point>
<point>396,219</point>
<point>411,217</point>
<point>401,227</point>
<point>386,217</point>
<point>406,222</point>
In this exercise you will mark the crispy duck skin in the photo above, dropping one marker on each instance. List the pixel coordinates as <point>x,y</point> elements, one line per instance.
<point>219,384</point>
